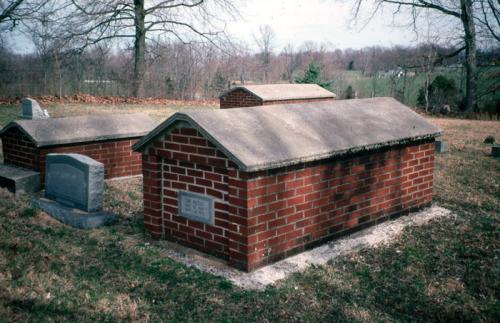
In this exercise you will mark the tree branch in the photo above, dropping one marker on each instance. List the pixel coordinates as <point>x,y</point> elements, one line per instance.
<point>424,4</point>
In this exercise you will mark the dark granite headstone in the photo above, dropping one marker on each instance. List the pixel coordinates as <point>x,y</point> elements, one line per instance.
<point>75,180</point>
<point>441,146</point>
<point>495,151</point>
<point>32,110</point>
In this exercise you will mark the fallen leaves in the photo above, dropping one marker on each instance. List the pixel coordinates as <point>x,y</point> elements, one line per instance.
<point>86,98</point>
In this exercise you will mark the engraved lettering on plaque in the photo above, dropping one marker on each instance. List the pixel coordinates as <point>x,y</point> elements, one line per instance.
<point>196,207</point>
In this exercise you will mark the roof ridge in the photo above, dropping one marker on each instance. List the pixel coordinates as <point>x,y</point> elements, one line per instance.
<point>281,135</point>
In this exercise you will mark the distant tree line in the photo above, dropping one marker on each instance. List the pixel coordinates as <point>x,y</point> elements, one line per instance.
<point>179,49</point>
<point>202,71</point>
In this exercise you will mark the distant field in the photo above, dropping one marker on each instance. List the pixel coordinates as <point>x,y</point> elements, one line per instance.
<point>384,86</point>
<point>446,271</point>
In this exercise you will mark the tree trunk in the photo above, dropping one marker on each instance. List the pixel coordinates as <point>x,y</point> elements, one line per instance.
<point>139,49</point>
<point>426,90</point>
<point>470,102</point>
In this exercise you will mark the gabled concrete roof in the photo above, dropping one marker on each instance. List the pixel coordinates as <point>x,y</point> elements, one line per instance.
<point>58,131</point>
<point>280,135</point>
<point>275,92</point>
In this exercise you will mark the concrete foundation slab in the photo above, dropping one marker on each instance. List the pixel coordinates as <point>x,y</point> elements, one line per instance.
<point>74,217</point>
<point>19,180</point>
<point>260,278</point>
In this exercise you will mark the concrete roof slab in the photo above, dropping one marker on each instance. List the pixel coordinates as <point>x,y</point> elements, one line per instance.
<point>58,131</point>
<point>287,134</point>
<point>276,92</point>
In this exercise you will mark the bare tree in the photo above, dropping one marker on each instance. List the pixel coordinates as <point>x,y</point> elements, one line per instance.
<point>186,21</point>
<point>489,19</point>
<point>13,11</point>
<point>9,11</point>
<point>265,42</point>
<point>465,11</point>
<point>292,62</point>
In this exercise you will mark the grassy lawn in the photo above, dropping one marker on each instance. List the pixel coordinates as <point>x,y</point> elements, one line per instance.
<point>448,270</point>
<point>159,112</point>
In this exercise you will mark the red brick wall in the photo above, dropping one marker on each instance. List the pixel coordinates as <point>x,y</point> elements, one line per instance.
<point>184,160</point>
<point>265,216</point>
<point>117,156</point>
<point>240,98</point>
<point>18,149</point>
<point>302,206</point>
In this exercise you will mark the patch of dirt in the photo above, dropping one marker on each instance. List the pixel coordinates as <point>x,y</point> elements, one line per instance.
<point>44,219</point>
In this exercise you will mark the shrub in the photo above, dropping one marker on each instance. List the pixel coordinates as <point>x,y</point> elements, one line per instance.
<point>442,92</point>
<point>349,93</point>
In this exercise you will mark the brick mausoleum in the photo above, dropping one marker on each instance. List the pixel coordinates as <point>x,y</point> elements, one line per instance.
<point>105,138</point>
<point>267,94</point>
<point>253,186</point>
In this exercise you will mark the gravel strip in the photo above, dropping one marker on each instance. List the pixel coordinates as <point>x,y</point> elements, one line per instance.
<point>259,279</point>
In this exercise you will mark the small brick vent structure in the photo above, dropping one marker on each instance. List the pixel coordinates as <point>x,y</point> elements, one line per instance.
<point>105,138</point>
<point>268,94</point>
<point>285,178</point>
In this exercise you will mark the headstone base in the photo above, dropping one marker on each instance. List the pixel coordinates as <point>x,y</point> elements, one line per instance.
<point>74,217</point>
<point>19,180</point>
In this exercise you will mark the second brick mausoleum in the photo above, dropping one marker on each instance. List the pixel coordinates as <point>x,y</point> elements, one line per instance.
<point>253,186</point>
<point>106,138</point>
<point>270,94</point>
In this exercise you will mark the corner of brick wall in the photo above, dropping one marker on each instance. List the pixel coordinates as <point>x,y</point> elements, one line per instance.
<point>239,98</point>
<point>183,160</point>
<point>18,150</point>
<point>151,171</point>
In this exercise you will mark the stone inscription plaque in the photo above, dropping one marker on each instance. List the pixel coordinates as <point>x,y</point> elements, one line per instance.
<point>196,207</point>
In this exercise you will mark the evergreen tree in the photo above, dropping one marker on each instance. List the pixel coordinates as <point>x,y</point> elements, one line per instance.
<point>312,76</point>
<point>219,83</point>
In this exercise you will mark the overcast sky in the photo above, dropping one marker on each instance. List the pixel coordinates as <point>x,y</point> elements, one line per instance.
<point>297,21</point>
<point>321,21</point>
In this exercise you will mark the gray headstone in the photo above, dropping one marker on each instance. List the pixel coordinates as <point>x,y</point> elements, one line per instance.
<point>441,146</point>
<point>495,151</point>
<point>32,110</point>
<point>75,180</point>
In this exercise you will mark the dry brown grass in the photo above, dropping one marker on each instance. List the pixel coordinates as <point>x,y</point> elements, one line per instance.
<point>158,112</point>
<point>468,163</point>
<point>446,271</point>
